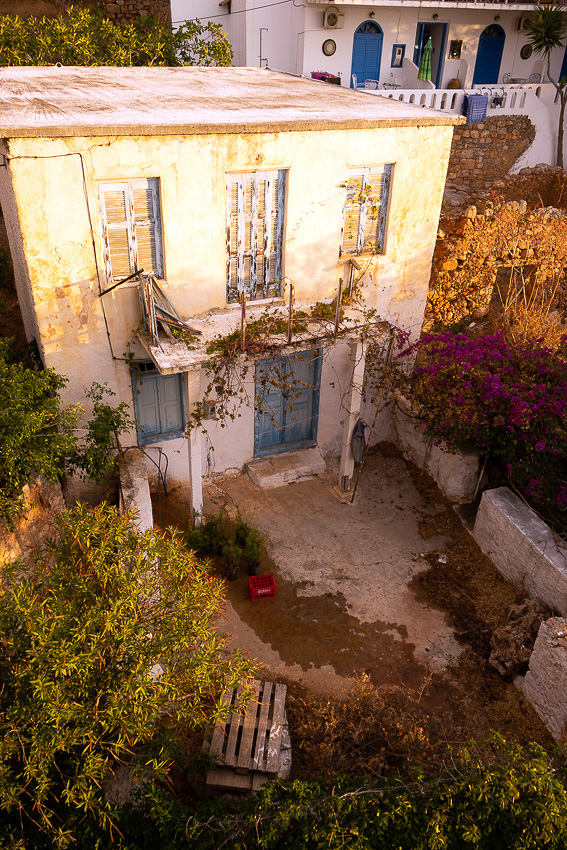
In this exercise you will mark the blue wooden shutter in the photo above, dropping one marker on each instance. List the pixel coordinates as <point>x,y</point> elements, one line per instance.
<point>146,226</point>
<point>147,404</point>
<point>171,409</point>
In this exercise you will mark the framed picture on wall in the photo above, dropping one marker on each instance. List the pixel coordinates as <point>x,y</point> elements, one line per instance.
<point>455,48</point>
<point>398,53</point>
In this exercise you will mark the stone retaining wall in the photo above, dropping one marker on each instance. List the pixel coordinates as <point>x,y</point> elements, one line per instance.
<point>456,474</point>
<point>484,152</point>
<point>45,501</point>
<point>523,547</point>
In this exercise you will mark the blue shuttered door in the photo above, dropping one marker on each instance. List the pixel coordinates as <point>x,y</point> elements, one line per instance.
<point>489,56</point>
<point>366,52</point>
<point>287,401</point>
<point>159,404</point>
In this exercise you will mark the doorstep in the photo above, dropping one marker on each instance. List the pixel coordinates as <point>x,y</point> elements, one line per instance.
<point>277,470</point>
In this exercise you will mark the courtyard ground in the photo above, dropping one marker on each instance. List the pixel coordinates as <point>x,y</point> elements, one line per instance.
<point>391,588</point>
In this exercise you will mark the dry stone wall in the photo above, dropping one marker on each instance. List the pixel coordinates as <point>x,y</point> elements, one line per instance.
<point>482,153</point>
<point>120,11</point>
<point>491,238</point>
<point>45,501</point>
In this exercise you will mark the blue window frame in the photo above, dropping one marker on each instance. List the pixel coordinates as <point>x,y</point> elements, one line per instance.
<point>159,404</point>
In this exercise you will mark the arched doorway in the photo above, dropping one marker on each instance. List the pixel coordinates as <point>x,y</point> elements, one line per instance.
<point>366,52</point>
<point>489,56</point>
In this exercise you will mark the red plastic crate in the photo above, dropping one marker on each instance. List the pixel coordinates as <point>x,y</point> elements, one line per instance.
<point>261,587</point>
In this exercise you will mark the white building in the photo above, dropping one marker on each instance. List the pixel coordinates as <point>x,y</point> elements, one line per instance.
<point>474,42</point>
<point>218,182</point>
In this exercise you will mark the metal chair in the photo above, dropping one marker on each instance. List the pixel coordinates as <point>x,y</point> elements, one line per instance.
<point>371,84</point>
<point>534,78</point>
<point>506,78</point>
<point>356,84</point>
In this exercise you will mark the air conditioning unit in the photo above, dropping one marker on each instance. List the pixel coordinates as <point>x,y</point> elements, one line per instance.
<point>333,19</point>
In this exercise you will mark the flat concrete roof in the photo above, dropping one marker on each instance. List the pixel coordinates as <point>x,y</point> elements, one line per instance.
<point>49,101</point>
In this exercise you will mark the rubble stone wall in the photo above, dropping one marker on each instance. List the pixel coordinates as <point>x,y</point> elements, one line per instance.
<point>482,153</point>
<point>121,11</point>
<point>45,501</point>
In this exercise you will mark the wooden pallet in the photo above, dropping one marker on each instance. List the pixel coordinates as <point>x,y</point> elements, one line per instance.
<point>248,745</point>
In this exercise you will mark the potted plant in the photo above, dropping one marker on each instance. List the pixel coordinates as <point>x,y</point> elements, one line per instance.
<point>253,552</point>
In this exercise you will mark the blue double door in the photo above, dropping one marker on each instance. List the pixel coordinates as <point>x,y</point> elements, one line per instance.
<point>287,402</point>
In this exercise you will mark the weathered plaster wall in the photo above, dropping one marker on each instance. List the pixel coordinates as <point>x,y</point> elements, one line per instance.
<point>56,256</point>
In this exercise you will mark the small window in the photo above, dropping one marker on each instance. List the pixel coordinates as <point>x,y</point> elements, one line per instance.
<point>158,402</point>
<point>366,205</point>
<point>254,226</point>
<point>131,227</point>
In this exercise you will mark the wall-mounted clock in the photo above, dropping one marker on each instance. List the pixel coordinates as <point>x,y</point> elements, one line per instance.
<point>329,47</point>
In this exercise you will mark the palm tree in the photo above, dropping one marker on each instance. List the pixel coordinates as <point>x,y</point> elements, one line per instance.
<point>546,29</point>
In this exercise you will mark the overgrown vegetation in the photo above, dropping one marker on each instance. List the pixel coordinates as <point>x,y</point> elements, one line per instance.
<point>109,659</point>
<point>39,434</point>
<point>86,37</point>
<point>508,399</point>
<point>232,544</point>
<point>491,796</point>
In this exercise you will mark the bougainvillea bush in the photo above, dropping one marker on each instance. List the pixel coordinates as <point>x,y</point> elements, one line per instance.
<point>507,398</point>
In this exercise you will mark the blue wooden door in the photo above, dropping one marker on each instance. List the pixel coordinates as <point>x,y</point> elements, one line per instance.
<point>489,56</point>
<point>287,402</point>
<point>366,53</point>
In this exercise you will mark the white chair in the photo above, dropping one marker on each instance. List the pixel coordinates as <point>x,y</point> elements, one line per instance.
<point>356,84</point>
<point>371,84</point>
<point>506,78</point>
<point>534,78</point>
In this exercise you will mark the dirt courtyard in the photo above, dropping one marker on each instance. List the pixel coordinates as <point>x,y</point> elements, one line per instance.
<point>391,586</point>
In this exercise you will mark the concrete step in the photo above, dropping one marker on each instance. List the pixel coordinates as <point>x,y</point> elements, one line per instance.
<point>280,469</point>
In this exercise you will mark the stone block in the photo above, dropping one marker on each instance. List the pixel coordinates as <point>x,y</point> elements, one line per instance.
<point>545,683</point>
<point>277,470</point>
<point>135,489</point>
<point>523,547</point>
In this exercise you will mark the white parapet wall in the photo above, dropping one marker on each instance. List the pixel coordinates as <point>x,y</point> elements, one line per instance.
<point>545,683</point>
<point>523,547</point>
<point>135,489</point>
<point>456,473</point>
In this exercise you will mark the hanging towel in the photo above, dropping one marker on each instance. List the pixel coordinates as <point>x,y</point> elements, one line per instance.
<point>358,442</point>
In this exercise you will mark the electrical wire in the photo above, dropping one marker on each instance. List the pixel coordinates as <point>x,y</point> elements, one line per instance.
<point>162,475</point>
<point>91,228</point>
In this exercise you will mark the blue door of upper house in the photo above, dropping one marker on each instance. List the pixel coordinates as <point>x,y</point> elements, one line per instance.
<point>366,53</point>
<point>489,56</point>
<point>287,402</point>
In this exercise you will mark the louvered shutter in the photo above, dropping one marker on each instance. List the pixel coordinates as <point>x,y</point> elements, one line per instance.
<point>275,254</point>
<point>255,204</point>
<point>131,228</point>
<point>116,215</point>
<point>366,206</point>
<point>232,185</point>
<point>147,404</point>
<point>170,404</point>
<point>146,230</point>
<point>353,211</point>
